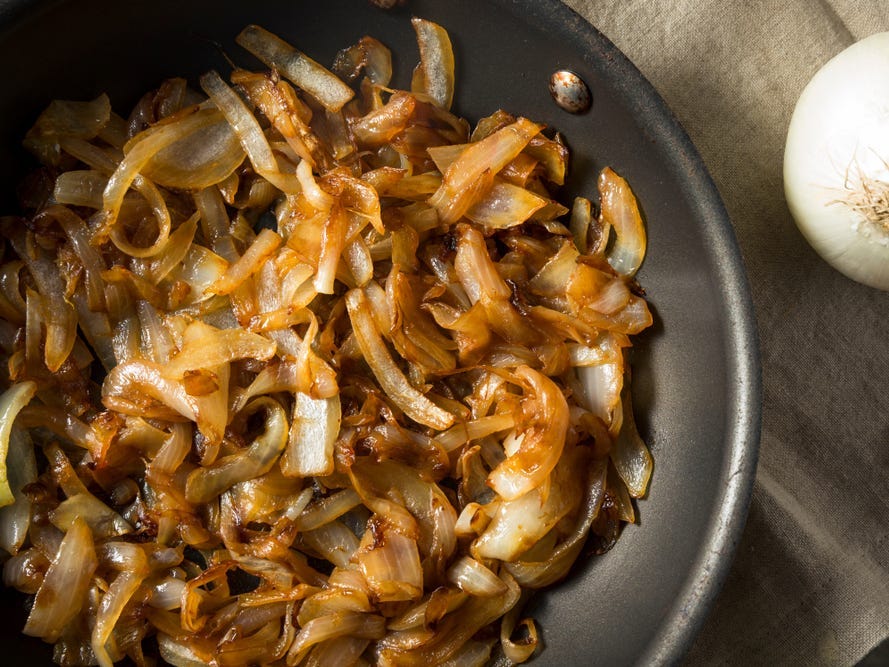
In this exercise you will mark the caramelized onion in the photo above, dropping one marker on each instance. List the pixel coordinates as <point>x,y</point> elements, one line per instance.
<point>11,402</point>
<point>490,155</point>
<point>474,578</point>
<point>313,78</point>
<point>542,432</point>
<point>63,591</point>
<point>206,483</point>
<point>21,470</point>
<point>391,379</point>
<point>621,212</point>
<point>434,75</point>
<point>362,380</point>
<point>245,125</point>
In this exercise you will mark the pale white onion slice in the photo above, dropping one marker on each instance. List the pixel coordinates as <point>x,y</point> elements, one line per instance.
<point>506,205</point>
<point>630,454</point>
<point>66,119</point>
<point>102,520</point>
<point>80,188</point>
<point>177,653</point>
<point>328,509</point>
<point>334,542</point>
<point>315,427</point>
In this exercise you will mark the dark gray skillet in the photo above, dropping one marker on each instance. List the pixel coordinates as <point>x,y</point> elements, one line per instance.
<point>697,376</point>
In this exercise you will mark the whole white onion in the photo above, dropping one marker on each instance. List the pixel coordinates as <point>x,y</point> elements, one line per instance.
<point>836,162</point>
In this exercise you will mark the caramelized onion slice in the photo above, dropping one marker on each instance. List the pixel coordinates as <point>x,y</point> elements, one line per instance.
<point>249,263</point>
<point>11,402</point>
<point>205,483</point>
<point>369,55</point>
<point>621,211</point>
<point>250,134</point>
<point>21,471</point>
<point>132,564</point>
<point>203,158</point>
<point>338,624</point>
<point>390,563</point>
<point>313,78</point>
<point>490,154</point>
<point>63,592</point>
<point>518,651</point>
<point>131,386</point>
<point>555,566</point>
<point>519,523</point>
<point>415,405</point>
<point>434,76</point>
<point>454,630</point>
<point>542,430</point>
<point>206,347</point>
<point>66,119</point>
<point>630,454</point>
<point>485,286</point>
<point>57,311</point>
<point>142,148</point>
<point>342,419</point>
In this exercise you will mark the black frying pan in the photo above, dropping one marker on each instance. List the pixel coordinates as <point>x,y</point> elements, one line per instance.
<point>696,372</point>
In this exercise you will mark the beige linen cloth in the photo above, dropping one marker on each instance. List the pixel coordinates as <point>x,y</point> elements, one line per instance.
<point>810,581</point>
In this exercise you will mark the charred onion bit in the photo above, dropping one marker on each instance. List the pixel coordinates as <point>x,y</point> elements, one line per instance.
<point>302,371</point>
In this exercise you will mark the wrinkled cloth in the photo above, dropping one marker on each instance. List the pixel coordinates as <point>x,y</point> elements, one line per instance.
<point>809,584</point>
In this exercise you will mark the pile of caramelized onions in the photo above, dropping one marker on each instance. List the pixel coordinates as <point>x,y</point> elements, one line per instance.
<point>301,369</point>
